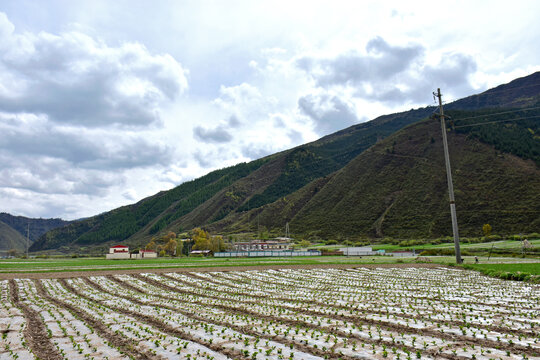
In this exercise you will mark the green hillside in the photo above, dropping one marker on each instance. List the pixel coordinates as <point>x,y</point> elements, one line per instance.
<point>35,227</point>
<point>380,178</point>
<point>398,189</point>
<point>11,239</point>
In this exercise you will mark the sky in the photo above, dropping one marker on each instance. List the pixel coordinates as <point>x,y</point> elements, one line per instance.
<point>103,103</point>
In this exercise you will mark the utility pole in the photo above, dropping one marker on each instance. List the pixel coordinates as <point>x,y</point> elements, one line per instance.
<point>27,239</point>
<point>449,178</point>
<point>249,195</point>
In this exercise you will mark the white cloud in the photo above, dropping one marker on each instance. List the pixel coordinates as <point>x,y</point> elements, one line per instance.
<point>76,114</point>
<point>76,79</point>
<point>218,135</point>
<point>328,112</point>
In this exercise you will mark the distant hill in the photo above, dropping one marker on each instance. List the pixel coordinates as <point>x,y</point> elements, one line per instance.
<point>37,227</point>
<point>11,239</point>
<point>384,177</point>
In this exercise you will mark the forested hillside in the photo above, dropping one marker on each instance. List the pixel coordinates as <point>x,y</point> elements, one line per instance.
<point>380,178</point>
<point>10,239</point>
<point>35,227</point>
<point>398,189</point>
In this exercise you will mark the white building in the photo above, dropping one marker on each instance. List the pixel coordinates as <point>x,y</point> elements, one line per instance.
<point>118,252</point>
<point>122,252</point>
<point>358,251</point>
<point>143,254</point>
<point>268,245</point>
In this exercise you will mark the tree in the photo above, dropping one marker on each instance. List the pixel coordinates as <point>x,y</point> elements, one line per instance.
<point>217,244</point>
<point>170,235</point>
<point>170,247</point>
<point>526,245</point>
<point>150,246</point>
<point>304,244</point>
<point>486,229</point>
<point>179,248</point>
<point>201,239</point>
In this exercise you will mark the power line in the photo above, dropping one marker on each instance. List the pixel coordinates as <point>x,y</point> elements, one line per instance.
<point>498,113</point>
<point>494,91</point>
<point>496,121</point>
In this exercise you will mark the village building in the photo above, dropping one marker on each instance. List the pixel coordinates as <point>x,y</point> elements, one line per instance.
<point>267,245</point>
<point>118,252</point>
<point>143,254</point>
<point>122,252</point>
<point>359,251</point>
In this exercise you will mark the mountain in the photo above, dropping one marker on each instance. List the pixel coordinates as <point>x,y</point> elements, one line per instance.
<point>380,178</point>
<point>397,188</point>
<point>11,239</point>
<point>35,227</point>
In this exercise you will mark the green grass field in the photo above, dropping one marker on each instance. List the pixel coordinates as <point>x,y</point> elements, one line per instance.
<point>92,264</point>
<point>530,268</point>
<point>95,264</point>
<point>503,244</point>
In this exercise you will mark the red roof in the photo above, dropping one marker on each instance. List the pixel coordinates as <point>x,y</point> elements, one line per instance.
<point>147,251</point>
<point>118,246</point>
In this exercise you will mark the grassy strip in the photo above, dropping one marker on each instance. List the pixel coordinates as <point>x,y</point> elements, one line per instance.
<point>31,266</point>
<point>519,272</point>
<point>98,264</point>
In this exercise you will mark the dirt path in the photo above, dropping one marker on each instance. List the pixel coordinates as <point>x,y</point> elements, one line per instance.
<point>73,274</point>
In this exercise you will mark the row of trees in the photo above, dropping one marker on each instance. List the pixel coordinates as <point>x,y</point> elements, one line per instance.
<point>204,241</point>
<point>200,239</point>
<point>167,245</point>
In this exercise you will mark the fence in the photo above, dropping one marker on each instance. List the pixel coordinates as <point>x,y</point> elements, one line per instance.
<point>274,253</point>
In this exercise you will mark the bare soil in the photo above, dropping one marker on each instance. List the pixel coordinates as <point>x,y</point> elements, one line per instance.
<point>35,332</point>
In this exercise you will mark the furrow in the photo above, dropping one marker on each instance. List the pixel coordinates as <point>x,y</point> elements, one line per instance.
<point>124,345</point>
<point>35,332</point>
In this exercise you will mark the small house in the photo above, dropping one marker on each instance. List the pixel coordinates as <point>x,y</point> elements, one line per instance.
<point>358,251</point>
<point>147,254</point>
<point>118,252</point>
<point>143,254</point>
<point>265,245</point>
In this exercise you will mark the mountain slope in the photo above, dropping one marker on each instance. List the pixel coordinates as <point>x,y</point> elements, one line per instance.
<point>291,185</point>
<point>398,188</point>
<point>36,227</point>
<point>10,238</point>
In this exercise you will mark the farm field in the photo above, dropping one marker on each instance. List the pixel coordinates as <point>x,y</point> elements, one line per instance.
<point>361,313</point>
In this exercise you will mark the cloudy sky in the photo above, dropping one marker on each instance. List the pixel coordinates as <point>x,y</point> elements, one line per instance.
<point>103,103</point>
